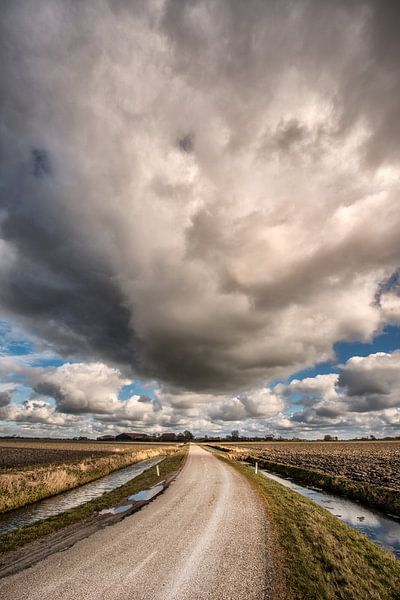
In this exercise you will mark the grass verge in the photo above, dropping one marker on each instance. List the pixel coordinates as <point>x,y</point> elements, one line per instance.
<point>317,556</point>
<point>20,537</point>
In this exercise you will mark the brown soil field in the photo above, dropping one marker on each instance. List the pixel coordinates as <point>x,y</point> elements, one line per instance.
<point>20,458</point>
<point>21,454</point>
<point>376,463</point>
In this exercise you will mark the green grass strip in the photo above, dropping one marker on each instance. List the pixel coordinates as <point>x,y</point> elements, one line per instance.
<point>24,535</point>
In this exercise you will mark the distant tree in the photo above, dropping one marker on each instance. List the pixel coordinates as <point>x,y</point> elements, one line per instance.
<point>235,435</point>
<point>132,437</point>
<point>328,438</point>
<point>168,437</point>
<point>188,435</point>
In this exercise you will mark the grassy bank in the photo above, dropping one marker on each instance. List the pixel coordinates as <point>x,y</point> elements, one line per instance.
<point>20,537</point>
<point>29,485</point>
<point>378,497</point>
<point>317,557</point>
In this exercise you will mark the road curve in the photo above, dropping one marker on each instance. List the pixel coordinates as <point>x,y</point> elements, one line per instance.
<point>204,538</point>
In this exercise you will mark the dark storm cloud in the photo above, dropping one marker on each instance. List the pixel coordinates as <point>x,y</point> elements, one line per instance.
<point>40,163</point>
<point>56,285</point>
<point>186,143</point>
<point>5,398</point>
<point>371,383</point>
<point>288,135</point>
<point>359,384</point>
<point>375,87</point>
<point>204,193</point>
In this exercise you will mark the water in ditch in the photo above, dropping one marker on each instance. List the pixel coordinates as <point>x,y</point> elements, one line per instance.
<point>377,527</point>
<point>49,507</point>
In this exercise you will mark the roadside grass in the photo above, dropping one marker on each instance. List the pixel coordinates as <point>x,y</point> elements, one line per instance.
<point>21,487</point>
<point>317,556</point>
<point>20,537</point>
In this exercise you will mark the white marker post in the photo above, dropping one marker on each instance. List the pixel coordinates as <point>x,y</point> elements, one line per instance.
<point>158,470</point>
<point>256,470</point>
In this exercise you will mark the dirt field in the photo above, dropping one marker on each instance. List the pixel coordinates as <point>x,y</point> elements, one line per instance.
<point>20,458</point>
<point>20,454</point>
<point>377,463</point>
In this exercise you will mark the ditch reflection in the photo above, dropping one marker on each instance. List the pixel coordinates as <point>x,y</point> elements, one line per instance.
<point>377,527</point>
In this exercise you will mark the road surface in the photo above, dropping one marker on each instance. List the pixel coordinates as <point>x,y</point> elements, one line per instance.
<point>204,538</point>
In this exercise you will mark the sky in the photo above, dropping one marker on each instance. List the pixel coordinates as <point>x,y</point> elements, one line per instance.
<point>199,217</point>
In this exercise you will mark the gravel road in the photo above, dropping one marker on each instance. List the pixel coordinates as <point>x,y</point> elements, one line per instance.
<point>204,538</point>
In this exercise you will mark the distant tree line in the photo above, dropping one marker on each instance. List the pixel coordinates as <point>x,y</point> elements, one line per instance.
<point>182,437</point>
<point>187,436</point>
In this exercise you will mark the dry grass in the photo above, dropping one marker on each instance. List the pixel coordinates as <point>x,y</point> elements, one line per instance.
<point>23,486</point>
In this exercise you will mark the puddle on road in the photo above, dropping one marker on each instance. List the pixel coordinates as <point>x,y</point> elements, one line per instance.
<point>49,507</point>
<point>377,527</point>
<point>143,495</point>
<point>147,494</point>
<point>115,510</point>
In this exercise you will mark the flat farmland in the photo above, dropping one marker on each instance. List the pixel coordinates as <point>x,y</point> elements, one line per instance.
<point>20,458</point>
<point>376,463</point>
<point>20,454</point>
<point>32,470</point>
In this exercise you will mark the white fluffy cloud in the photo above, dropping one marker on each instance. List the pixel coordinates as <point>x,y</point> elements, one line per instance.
<point>363,395</point>
<point>81,388</point>
<point>390,304</point>
<point>90,391</point>
<point>37,411</point>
